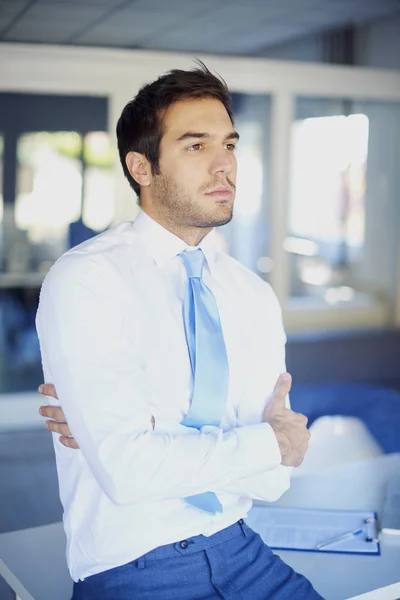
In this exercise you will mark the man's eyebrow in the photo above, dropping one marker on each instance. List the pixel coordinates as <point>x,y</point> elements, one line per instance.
<point>233,136</point>
<point>193,134</point>
<point>202,136</point>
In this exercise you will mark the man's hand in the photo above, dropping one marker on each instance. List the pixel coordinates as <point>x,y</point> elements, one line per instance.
<point>58,424</point>
<point>290,427</point>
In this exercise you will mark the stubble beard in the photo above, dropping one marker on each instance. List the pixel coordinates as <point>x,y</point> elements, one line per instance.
<point>178,208</point>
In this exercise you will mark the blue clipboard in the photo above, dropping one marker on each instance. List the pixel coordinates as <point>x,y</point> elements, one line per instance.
<point>304,529</point>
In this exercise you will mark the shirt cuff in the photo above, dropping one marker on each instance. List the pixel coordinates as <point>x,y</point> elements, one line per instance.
<point>259,446</point>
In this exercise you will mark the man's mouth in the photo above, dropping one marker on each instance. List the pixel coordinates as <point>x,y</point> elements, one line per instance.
<point>222,191</point>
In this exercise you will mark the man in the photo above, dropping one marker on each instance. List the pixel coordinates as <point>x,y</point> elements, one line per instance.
<point>165,355</point>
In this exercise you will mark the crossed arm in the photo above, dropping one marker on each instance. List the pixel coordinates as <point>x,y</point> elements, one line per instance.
<point>289,428</point>
<point>120,441</point>
<point>58,423</point>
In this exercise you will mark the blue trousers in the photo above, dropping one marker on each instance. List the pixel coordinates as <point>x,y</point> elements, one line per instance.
<point>233,564</point>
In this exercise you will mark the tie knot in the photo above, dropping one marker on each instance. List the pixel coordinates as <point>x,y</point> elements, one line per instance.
<point>194,262</point>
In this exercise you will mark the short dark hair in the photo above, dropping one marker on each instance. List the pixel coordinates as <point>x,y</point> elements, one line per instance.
<point>139,128</point>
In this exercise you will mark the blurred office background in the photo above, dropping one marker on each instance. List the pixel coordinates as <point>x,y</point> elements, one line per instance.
<point>316,95</point>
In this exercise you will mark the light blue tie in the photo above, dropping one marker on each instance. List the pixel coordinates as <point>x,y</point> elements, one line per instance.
<point>208,360</point>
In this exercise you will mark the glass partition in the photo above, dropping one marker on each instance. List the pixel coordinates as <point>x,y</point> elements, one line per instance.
<point>56,176</point>
<point>64,195</point>
<point>246,237</point>
<point>342,232</point>
<point>1,197</point>
<point>99,155</point>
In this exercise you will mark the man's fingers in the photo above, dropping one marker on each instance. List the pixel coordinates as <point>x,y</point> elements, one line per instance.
<point>48,389</point>
<point>57,427</point>
<point>283,384</point>
<point>277,403</point>
<point>302,419</point>
<point>58,423</point>
<point>303,452</point>
<point>69,442</point>
<point>53,412</point>
<point>281,390</point>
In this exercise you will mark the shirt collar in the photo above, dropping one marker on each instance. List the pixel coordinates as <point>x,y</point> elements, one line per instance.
<point>164,245</point>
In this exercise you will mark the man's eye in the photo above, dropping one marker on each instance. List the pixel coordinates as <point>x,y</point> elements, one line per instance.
<point>195,147</point>
<point>231,147</point>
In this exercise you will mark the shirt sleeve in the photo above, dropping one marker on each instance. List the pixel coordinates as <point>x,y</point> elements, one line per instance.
<point>272,483</point>
<point>87,355</point>
<point>268,485</point>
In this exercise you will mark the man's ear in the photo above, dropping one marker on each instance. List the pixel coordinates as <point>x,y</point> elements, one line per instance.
<point>139,168</point>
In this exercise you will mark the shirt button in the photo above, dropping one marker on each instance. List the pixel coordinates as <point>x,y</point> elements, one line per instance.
<point>240,521</point>
<point>183,545</point>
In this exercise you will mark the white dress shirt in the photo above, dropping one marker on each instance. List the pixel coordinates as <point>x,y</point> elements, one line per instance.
<point>112,339</point>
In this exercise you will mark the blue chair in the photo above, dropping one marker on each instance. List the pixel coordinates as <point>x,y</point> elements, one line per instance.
<point>378,407</point>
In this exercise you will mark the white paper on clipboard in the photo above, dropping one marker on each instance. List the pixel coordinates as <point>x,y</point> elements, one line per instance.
<point>287,528</point>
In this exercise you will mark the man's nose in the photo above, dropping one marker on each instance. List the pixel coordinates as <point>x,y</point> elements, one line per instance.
<point>223,162</point>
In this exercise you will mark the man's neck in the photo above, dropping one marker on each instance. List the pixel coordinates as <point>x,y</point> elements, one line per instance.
<point>191,235</point>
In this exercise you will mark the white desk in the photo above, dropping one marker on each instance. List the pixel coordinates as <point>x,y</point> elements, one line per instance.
<point>34,566</point>
<point>32,561</point>
<point>340,576</point>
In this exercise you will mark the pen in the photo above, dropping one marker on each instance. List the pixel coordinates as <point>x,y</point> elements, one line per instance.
<point>339,538</point>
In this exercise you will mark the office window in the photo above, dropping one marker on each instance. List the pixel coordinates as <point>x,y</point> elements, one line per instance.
<point>58,164</point>
<point>99,156</point>
<point>1,197</point>
<point>62,178</point>
<point>246,237</point>
<point>1,175</point>
<point>342,197</point>
<point>48,199</point>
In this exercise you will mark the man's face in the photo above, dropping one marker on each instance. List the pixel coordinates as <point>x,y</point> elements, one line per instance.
<point>196,184</point>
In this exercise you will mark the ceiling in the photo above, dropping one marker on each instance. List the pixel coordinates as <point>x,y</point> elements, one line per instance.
<point>246,27</point>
